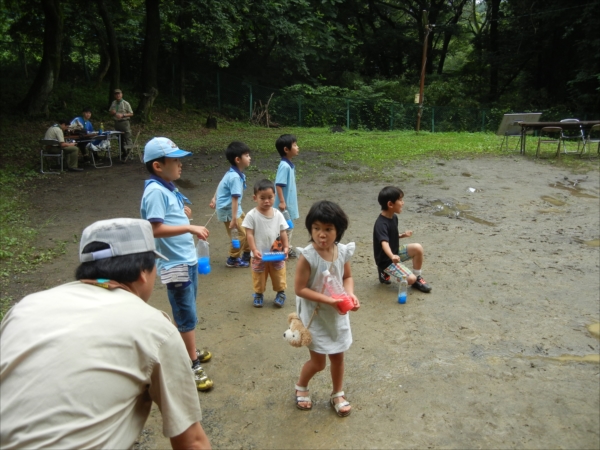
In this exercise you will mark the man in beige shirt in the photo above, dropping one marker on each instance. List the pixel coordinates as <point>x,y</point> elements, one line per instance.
<point>56,132</point>
<point>81,363</point>
<point>122,112</point>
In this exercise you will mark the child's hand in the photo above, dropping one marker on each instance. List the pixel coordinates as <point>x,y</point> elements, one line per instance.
<point>395,259</point>
<point>213,203</point>
<point>188,212</point>
<point>256,254</point>
<point>233,224</point>
<point>356,303</point>
<point>282,205</point>
<point>407,233</point>
<point>200,232</point>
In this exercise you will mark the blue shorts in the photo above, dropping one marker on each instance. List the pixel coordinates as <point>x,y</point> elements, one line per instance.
<point>182,297</point>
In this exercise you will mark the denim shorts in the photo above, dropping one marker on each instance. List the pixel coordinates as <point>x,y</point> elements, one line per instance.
<point>182,297</point>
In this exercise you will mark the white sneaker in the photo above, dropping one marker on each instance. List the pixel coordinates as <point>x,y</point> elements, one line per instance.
<point>93,147</point>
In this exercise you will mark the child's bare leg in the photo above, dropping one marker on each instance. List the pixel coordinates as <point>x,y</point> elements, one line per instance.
<point>337,377</point>
<point>315,364</point>
<point>415,251</point>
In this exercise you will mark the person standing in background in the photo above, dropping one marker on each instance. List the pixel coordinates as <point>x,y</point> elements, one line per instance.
<point>122,112</point>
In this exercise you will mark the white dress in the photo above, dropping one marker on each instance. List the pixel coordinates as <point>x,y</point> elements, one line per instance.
<point>330,331</point>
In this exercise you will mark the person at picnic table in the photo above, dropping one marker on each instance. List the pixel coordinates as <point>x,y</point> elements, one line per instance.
<point>71,152</point>
<point>122,112</point>
<point>84,124</point>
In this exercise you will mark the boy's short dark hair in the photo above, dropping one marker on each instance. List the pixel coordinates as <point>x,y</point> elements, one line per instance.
<point>235,150</point>
<point>389,194</point>
<point>263,185</point>
<point>285,141</point>
<point>86,110</point>
<point>65,121</point>
<point>150,167</point>
<point>123,269</point>
<point>325,211</point>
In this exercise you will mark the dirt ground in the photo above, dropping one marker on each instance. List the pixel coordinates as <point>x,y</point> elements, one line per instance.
<point>502,354</point>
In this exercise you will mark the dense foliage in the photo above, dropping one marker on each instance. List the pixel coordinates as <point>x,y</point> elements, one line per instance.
<point>506,54</point>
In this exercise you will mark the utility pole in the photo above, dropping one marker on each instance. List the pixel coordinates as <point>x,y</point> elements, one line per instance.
<point>427,29</point>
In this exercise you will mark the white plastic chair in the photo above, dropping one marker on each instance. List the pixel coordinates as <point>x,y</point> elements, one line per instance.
<point>572,134</point>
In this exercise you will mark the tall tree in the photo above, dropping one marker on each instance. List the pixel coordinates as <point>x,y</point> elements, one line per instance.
<point>36,100</point>
<point>113,51</point>
<point>149,80</point>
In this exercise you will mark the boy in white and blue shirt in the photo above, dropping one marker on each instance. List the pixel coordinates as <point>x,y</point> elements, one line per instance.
<point>285,182</point>
<point>228,202</point>
<point>166,210</point>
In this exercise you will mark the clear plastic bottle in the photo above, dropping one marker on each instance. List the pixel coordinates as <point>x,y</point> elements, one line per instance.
<point>336,290</point>
<point>288,219</point>
<point>101,127</point>
<point>203,255</point>
<point>235,238</point>
<point>402,290</point>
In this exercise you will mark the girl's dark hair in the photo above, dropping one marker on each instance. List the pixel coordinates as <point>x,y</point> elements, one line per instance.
<point>150,167</point>
<point>263,185</point>
<point>123,269</point>
<point>389,194</point>
<point>325,211</point>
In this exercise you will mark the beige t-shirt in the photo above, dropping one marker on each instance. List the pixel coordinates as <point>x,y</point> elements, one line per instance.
<point>122,107</point>
<point>55,132</point>
<point>80,366</point>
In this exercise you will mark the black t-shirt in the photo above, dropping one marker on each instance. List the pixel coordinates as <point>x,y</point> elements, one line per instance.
<point>385,230</point>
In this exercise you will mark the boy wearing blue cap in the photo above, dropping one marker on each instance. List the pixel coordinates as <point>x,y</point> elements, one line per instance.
<point>165,208</point>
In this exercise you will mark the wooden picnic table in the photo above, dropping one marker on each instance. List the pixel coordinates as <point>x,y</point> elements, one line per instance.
<point>527,126</point>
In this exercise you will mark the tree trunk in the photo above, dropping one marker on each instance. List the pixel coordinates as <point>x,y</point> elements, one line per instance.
<point>113,51</point>
<point>181,75</point>
<point>494,50</point>
<point>36,100</point>
<point>104,55</point>
<point>150,60</point>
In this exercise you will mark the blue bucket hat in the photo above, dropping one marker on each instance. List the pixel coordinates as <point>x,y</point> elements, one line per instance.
<point>159,147</point>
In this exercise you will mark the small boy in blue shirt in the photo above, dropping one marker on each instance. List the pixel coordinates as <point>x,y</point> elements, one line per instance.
<point>285,182</point>
<point>228,201</point>
<point>164,207</point>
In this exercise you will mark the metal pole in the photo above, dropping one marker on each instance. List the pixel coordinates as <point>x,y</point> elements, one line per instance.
<point>424,61</point>
<point>348,113</point>
<point>392,117</point>
<point>299,111</point>
<point>250,86</point>
<point>219,91</point>
<point>433,119</point>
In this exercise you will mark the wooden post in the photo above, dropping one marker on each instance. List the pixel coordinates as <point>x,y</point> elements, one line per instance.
<point>427,29</point>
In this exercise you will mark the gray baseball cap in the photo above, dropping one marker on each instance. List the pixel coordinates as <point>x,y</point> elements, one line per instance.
<point>124,236</point>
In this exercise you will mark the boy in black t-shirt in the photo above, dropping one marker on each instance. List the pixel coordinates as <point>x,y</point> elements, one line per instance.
<point>386,240</point>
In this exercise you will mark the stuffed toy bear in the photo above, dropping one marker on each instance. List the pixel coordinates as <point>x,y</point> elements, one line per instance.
<point>297,334</point>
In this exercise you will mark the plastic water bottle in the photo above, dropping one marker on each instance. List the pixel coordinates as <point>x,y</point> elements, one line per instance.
<point>203,256</point>
<point>101,127</point>
<point>288,219</point>
<point>235,238</point>
<point>336,290</point>
<point>402,291</point>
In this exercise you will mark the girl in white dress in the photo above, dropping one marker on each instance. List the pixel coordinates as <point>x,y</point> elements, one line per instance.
<point>331,335</point>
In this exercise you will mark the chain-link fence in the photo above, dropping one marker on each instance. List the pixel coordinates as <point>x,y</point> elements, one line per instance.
<point>243,100</point>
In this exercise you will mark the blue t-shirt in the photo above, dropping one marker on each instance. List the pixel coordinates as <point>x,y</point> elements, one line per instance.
<point>163,203</point>
<point>233,184</point>
<point>286,178</point>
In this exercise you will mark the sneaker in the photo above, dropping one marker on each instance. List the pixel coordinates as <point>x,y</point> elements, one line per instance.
<point>258,300</point>
<point>421,284</point>
<point>384,278</point>
<point>292,254</point>
<point>280,299</point>
<point>203,356</point>
<point>236,262</point>
<point>203,383</point>
<point>246,257</point>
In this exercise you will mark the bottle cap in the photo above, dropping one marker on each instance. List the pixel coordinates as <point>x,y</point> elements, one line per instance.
<point>326,272</point>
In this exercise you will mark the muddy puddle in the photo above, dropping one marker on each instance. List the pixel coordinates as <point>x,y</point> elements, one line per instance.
<point>575,190</point>
<point>457,210</point>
